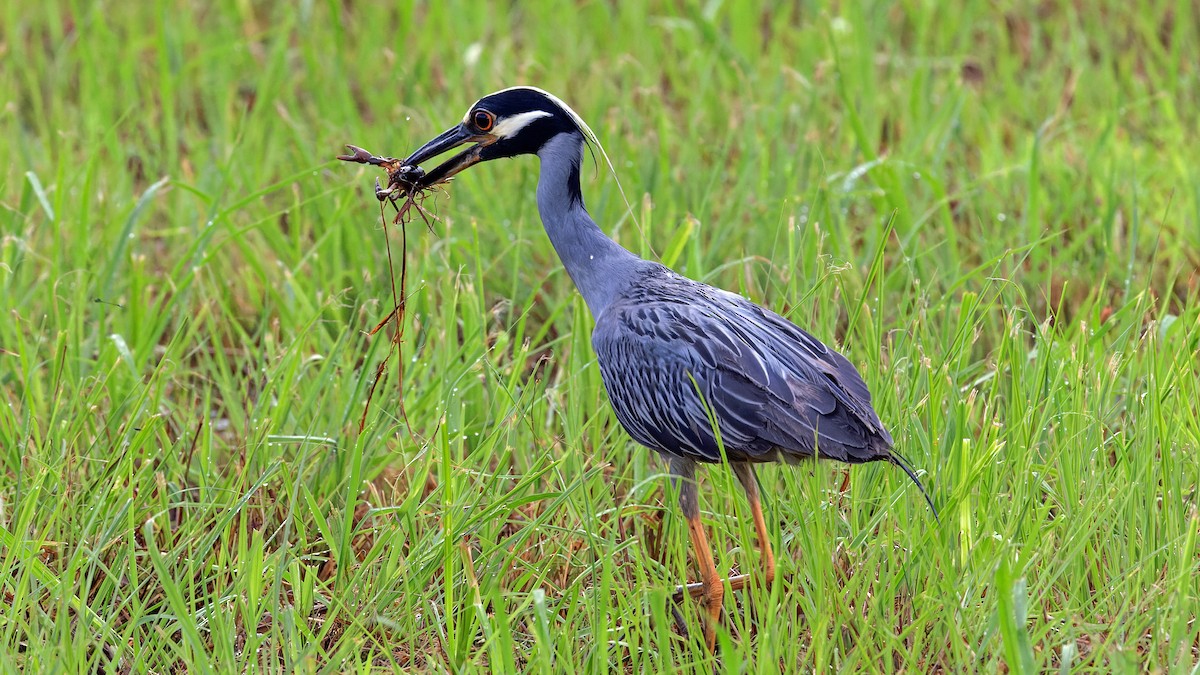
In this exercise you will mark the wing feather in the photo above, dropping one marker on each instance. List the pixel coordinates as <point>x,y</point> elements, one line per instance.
<point>675,352</point>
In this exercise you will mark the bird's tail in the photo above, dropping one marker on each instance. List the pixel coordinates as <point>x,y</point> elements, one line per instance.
<point>899,461</point>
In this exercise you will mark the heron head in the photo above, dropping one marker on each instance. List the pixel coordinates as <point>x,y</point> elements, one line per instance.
<point>510,122</point>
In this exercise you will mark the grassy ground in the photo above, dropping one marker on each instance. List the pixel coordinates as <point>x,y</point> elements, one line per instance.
<point>994,214</point>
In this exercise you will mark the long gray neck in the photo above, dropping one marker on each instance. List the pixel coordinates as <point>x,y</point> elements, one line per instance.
<point>600,268</point>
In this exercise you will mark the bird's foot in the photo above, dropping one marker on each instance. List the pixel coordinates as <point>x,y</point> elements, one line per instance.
<point>680,623</point>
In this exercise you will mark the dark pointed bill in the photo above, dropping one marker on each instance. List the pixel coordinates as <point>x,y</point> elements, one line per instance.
<point>448,140</point>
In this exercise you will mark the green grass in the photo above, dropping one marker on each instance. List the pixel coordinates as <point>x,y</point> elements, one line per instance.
<point>994,214</point>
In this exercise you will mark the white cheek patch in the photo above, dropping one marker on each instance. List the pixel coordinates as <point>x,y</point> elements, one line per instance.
<point>511,126</point>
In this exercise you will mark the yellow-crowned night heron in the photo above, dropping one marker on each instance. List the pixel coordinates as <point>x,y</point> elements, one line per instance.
<point>678,357</point>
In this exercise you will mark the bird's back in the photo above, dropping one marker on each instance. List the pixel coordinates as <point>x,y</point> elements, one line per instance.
<point>680,358</point>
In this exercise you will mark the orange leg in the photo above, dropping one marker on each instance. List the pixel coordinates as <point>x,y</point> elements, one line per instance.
<point>745,474</point>
<point>712,589</point>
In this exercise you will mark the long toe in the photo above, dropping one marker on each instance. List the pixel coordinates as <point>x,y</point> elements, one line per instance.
<point>680,622</point>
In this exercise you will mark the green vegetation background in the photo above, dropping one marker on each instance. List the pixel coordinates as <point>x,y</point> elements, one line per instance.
<point>993,210</point>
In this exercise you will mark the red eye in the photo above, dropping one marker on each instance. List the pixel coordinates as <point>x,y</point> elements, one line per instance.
<point>483,120</point>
